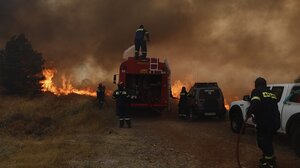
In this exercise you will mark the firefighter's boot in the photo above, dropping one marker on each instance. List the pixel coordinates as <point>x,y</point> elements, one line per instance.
<point>121,123</point>
<point>267,162</point>
<point>144,56</point>
<point>128,122</point>
<point>136,55</point>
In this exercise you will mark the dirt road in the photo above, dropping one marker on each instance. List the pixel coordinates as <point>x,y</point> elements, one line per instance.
<point>209,142</point>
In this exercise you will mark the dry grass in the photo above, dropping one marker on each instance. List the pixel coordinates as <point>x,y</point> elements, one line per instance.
<point>26,141</point>
<point>77,134</point>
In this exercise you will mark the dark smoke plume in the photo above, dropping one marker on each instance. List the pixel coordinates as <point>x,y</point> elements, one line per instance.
<point>231,42</point>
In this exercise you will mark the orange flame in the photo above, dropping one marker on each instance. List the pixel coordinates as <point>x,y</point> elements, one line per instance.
<point>177,86</point>
<point>108,92</point>
<point>227,105</point>
<point>227,101</point>
<point>67,87</point>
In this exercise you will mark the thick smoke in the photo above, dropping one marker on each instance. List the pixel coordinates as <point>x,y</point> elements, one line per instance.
<point>231,42</point>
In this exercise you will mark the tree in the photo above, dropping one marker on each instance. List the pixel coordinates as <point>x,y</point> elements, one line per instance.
<point>21,67</point>
<point>297,80</point>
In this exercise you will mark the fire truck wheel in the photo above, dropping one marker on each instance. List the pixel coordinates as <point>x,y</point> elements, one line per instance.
<point>296,141</point>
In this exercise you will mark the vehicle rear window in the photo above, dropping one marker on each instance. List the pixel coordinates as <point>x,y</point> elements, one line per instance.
<point>295,88</point>
<point>209,93</point>
<point>295,94</point>
<point>295,97</point>
<point>192,92</point>
<point>277,90</point>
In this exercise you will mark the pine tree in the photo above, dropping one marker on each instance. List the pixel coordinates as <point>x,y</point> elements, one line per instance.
<point>21,67</point>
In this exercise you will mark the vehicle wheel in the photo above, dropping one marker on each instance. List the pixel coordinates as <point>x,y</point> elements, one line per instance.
<point>236,122</point>
<point>294,127</point>
<point>296,141</point>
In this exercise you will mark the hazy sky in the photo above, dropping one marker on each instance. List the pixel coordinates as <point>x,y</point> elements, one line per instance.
<point>228,41</point>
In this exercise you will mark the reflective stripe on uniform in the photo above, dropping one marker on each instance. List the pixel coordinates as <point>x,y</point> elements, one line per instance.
<point>264,164</point>
<point>267,94</point>
<point>117,93</point>
<point>124,93</point>
<point>140,30</point>
<point>269,157</point>
<point>255,98</point>
<point>127,119</point>
<point>121,119</point>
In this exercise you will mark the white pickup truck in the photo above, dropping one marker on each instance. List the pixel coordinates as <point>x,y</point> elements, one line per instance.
<point>288,96</point>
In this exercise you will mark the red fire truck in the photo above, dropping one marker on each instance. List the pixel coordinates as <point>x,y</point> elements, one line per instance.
<point>148,79</point>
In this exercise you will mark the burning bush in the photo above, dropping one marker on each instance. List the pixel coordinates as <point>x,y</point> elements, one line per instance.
<point>67,87</point>
<point>21,67</point>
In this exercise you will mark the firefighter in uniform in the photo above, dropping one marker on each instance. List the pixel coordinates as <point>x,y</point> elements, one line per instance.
<point>140,41</point>
<point>122,97</point>
<point>100,94</point>
<point>264,110</point>
<point>182,111</point>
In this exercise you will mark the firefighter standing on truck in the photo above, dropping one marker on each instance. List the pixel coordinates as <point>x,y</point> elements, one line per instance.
<point>140,41</point>
<point>122,97</point>
<point>182,111</point>
<point>264,110</point>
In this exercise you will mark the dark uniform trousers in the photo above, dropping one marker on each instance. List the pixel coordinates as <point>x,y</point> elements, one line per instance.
<point>265,139</point>
<point>123,113</point>
<point>140,44</point>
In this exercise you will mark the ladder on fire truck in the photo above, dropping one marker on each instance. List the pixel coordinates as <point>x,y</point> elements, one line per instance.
<point>154,65</point>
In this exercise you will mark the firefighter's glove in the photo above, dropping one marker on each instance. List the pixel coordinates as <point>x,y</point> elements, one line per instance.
<point>252,117</point>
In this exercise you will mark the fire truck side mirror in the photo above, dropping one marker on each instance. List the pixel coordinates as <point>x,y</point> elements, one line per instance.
<point>115,79</point>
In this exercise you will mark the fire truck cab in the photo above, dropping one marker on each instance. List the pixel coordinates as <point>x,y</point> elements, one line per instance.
<point>148,79</point>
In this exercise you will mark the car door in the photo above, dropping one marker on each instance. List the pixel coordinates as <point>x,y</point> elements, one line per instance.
<point>279,91</point>
<point>290,107</point>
